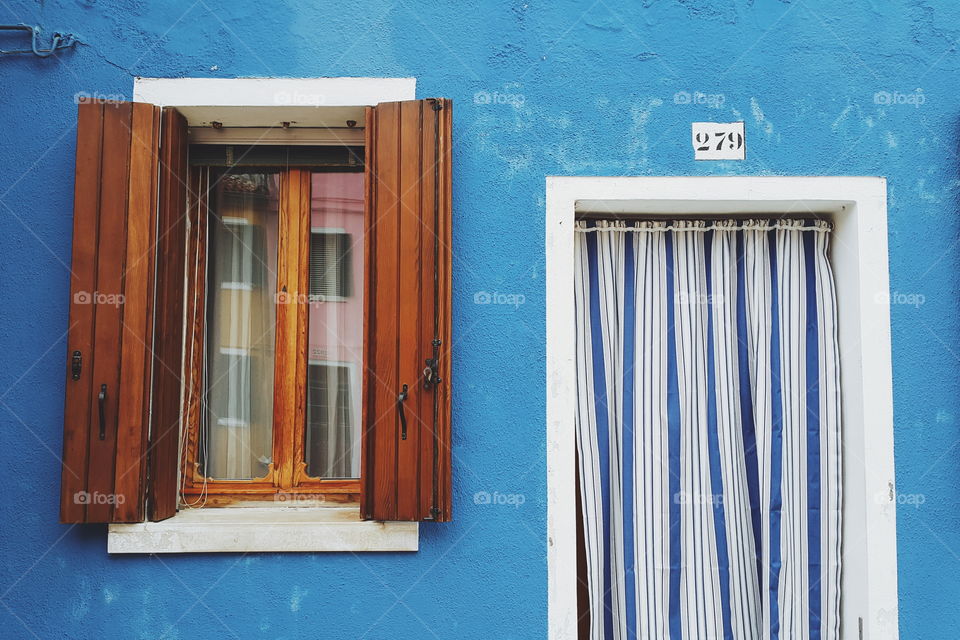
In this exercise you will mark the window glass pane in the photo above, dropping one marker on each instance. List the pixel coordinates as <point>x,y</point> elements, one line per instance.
<point>237,439</point>
<point>336,326</point>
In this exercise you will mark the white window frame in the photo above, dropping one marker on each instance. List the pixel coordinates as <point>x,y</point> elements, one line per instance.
<point>266,102</point>
<point>858,208</point>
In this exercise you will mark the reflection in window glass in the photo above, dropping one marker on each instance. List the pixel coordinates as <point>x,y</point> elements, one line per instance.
<point>330,267</point>
<point>237,439</point>
<point>336,326</point>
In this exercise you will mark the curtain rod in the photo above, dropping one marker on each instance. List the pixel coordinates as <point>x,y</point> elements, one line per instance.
<point>666,217</point>
<point>753,224</point>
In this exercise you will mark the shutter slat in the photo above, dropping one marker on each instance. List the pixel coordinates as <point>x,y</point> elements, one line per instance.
<point>427,183</point>
<point>383,229</point>
<point>134,404</point>
<point>80,333</point>
<point>410,309</point>
<point>408,218</point>
<point>444,270</point>
<point>108,314</point>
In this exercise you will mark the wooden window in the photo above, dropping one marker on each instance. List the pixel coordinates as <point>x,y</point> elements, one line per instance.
<point>252,432</point>
<point>281,328</point>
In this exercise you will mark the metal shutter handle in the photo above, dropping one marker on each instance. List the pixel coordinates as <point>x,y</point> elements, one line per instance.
<point>403,418</point>
<point>102,400</point>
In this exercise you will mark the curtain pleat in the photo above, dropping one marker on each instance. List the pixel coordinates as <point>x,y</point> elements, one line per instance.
<point>241,329</point>
<point>708,429</point>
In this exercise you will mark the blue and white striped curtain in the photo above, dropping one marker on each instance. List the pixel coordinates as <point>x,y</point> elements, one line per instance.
<point>708,429</point>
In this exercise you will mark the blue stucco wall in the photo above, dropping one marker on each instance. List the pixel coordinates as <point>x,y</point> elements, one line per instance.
<point>575,89</point>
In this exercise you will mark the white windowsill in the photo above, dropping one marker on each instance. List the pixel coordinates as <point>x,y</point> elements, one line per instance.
<point>263,529</point>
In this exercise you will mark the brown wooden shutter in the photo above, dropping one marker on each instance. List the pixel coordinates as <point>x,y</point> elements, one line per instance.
<point>169,317</point>
<point>408,239</point>
<point>110,336</point>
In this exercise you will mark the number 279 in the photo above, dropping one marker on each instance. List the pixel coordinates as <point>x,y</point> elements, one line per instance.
<point>732,140</point>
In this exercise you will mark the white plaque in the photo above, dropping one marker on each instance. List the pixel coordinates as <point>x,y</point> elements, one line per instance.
<point>718,141</point>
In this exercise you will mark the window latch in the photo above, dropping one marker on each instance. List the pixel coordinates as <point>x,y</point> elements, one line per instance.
<point>76,365</point>
<point>403,418</point>
<point>431,375</point>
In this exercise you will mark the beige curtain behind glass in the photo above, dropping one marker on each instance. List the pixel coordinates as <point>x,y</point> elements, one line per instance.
<point>330,434</point>
<point>241,327</point>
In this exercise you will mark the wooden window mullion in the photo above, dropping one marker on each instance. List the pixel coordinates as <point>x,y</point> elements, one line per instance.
<point>301,271</point>
<point>289,404</point>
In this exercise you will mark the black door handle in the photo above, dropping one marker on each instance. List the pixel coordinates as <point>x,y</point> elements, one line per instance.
<point>403,418</point>
<point>103,420</point>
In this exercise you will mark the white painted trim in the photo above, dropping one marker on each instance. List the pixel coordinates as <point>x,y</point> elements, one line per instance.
<point>272,92</point>
<point>858,208</point>
<point>295,135</point>
<point>263,529</point>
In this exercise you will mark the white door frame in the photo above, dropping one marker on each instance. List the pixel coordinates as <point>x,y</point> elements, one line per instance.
<point>858,208</point>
